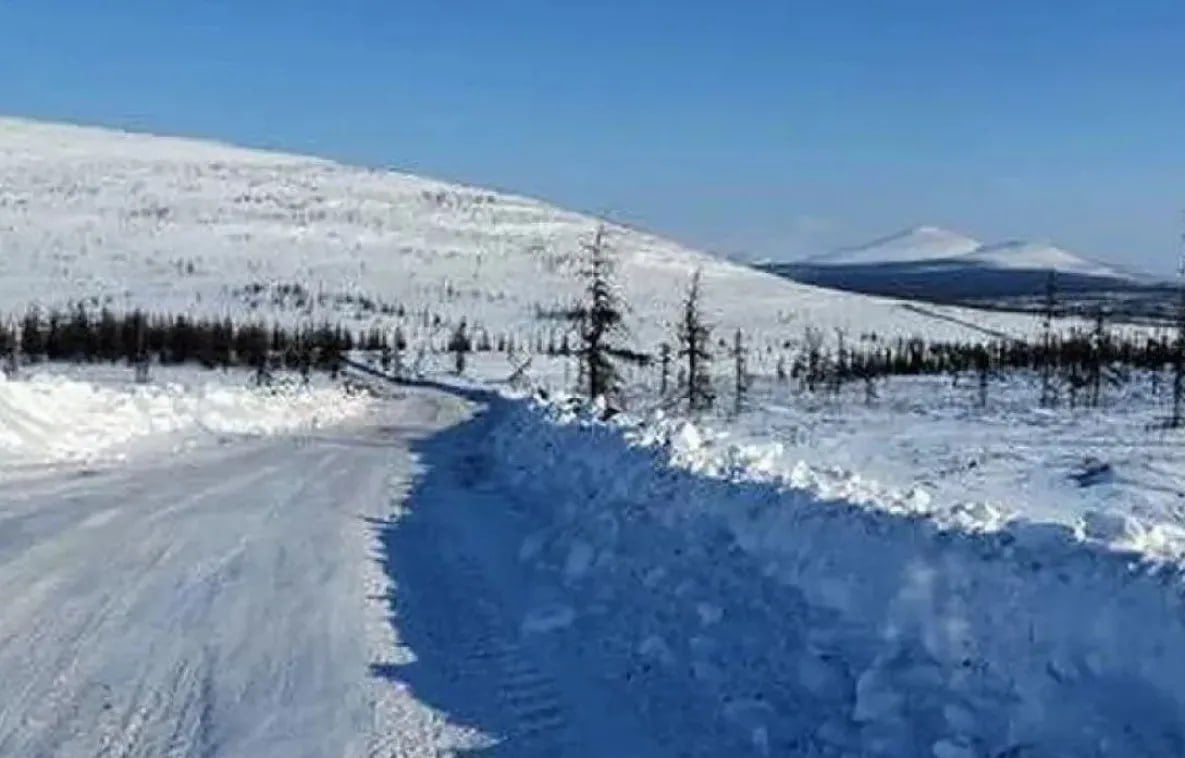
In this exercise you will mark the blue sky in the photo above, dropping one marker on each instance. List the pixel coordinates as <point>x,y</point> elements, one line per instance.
<point>773,128</point>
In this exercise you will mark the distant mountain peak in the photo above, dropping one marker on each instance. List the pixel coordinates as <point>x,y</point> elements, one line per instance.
<point>926,243</point>
<point>923,242</point>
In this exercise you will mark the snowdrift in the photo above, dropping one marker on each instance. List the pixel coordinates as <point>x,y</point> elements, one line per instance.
<point>819,626</point>
<point>51,418</point>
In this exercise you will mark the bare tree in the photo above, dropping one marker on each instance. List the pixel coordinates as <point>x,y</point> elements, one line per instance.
<point>664,357</point>
<point>12,358</point>
<point>839,369</point>
<point>1175,420</point>
<point>740,371</point>
<point>983,367</point>
<point>1048,394</point>
<point>1099,348</point>
<point>694,337</point>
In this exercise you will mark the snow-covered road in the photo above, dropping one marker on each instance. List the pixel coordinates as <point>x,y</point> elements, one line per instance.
<point>428,580</point>
<point>216,603</point>
<point>354,591</point>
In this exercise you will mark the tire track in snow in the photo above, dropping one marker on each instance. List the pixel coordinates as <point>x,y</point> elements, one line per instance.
<point>148,630</point>
<point>491,638</point>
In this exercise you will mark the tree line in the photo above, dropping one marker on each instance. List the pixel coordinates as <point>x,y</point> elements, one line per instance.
<point>1075,366</point>
<point>79,335</point>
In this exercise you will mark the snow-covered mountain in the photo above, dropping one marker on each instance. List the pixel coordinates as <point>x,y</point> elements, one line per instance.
<point>933,263</point>
<point>917,244</point>
<point>133,220</point>
<point>1020,255</point>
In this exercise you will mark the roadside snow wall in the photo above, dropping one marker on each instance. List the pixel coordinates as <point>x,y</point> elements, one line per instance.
<point>49,418</point>
<point>831,628</point>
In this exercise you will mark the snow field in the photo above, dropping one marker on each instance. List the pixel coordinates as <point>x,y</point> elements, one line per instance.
<point>188,227</point>
<point>833,628</point>
<point>50,418</point>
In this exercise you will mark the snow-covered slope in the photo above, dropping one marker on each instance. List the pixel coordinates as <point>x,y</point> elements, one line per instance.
<point>1017,254</point>
<point>917,244</point>
<point>135,220</point>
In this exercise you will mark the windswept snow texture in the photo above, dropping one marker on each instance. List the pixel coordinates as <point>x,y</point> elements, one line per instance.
<point>49,418</point>
<point>187,226</point>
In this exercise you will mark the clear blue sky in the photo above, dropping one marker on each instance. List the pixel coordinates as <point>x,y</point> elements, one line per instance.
<point>770,127</point>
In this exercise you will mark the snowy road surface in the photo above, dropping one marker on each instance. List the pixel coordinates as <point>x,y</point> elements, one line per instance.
<point>208,604</point>
<point>235,601</point>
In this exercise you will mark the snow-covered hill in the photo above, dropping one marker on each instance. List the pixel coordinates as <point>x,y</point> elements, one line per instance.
<point>181,225</point>
<point>917,244</point>
<point>1020,255</point>
<point>930,263</point>
<point>932,244</point>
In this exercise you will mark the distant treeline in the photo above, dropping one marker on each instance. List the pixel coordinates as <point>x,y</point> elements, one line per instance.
<point>1075,352</point>
<point>79,335</point>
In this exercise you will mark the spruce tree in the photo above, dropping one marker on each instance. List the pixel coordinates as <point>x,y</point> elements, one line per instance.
<point>664,357</point>
<point>460,345</point>
<point>600,321</point>
<point>694,336</point>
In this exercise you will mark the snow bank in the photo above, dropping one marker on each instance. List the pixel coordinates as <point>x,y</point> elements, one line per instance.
<point>49,418</point>
<point>823,625</point>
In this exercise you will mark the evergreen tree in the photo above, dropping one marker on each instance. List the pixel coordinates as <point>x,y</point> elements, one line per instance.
<point>664,357</point>
<point>983,367</point>
<point>460,346</point>
<point>694,337</point>
<point>32,340</point>
<point>141,361</point>
<point>601,323</point>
